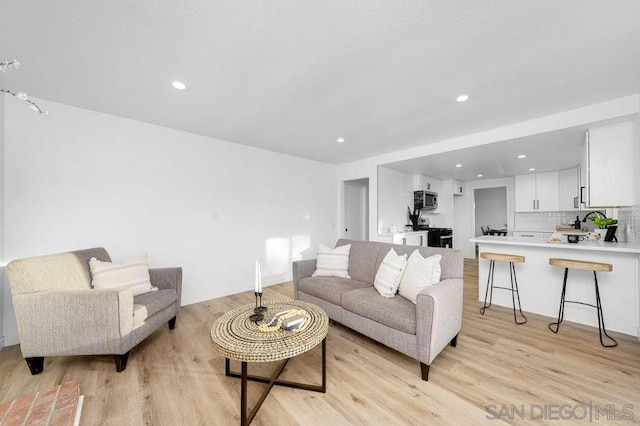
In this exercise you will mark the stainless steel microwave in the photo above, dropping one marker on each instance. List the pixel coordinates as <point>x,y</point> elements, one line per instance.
<point>426,200</point>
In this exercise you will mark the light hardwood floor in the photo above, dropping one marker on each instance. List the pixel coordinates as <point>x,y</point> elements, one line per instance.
<point>176,378</point>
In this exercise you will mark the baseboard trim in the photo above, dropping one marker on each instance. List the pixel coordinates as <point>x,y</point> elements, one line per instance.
<point>11,340</point>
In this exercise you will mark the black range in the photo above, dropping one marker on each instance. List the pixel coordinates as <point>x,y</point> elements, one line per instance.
<point>438,237</point>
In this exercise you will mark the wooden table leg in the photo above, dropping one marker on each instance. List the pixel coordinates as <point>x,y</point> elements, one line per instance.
<point>243,396</point>
<point>324,366</point>
<point>246,419</point>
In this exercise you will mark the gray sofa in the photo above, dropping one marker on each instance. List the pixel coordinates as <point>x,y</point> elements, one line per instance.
<point>58,313</point>
<point>420,330</point>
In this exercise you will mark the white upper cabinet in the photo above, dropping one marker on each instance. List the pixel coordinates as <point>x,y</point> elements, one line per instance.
<point>609,163</point>
<point>526,193</point>
<point>537,192</point>
<point>427,183</point>
<point>569,189</point>
<point>458,187</point>
<point>547,191</point>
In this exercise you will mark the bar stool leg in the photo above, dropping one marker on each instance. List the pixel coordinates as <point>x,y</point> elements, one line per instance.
<point>561,310</point>
<point>492,265</point>
<point>514,279</point>
<point>601,328</point>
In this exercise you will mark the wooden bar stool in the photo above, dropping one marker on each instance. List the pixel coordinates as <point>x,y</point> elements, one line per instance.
<point>586,266</point>
<point>512,259</point>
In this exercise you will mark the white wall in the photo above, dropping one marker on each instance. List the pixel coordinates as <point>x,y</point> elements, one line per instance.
<point>2,261</point>
<point>368,168</point>
<point>395,194</point>
<point>78,179</point>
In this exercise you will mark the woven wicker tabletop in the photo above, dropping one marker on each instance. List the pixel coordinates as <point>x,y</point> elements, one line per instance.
<point>237,337</point>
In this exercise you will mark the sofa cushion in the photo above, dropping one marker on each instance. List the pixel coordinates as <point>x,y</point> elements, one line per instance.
<point>364,259</point>
<point>333,263</point>
<point>395,312</point>
<point>389,274</point>
<point>366,256</point>
<point>330,289</point>
<point>148,304</point>
<point>132,272</point>
<point>419,274</point>
<point>61,271</point>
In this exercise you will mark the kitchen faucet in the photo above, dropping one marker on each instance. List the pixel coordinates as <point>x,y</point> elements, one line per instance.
<point>604,216</point>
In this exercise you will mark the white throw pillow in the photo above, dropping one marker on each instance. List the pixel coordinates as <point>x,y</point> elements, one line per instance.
<point>420,273</point>
<point>389,274</point>
<point>133,272</point>
<point>333,263</point>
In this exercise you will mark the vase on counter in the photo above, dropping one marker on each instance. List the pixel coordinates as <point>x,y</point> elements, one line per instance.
<point>414,217</point>
<point>602,232</point>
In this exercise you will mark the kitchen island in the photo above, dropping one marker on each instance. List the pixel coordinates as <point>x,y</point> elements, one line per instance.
<point>540,284</point>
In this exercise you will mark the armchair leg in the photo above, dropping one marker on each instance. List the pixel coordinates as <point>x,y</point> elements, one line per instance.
<point>172,323</point>
<point>425,371</point>
<point>454,341</point>
<point>121,362</point>
<point>36,364</point>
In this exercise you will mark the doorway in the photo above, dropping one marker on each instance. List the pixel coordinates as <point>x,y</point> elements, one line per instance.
<point>490,208</point>
<point>356,209</point>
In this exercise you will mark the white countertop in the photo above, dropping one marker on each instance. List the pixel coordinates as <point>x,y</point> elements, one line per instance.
<point>402,234</point>
<point>621,247</point>
<point>531,230</point>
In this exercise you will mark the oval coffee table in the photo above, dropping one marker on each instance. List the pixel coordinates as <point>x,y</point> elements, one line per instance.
<point>236,337</point>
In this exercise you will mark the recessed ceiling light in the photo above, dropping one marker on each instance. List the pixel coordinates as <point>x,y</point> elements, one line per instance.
<point>479,175</point>
<point>462,98</point>
<point>340,140</point>
<point>533,169</point>
<point>458,165</point>
<point>522,156</point>
<point>179,85</point>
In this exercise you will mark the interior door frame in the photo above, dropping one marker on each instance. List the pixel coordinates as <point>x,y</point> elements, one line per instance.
<point>364,183</point>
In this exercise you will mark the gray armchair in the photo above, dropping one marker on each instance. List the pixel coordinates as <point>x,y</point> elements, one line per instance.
<point>58,313</point>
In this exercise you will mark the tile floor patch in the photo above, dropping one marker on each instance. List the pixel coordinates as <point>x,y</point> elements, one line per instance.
<point>54,406</point>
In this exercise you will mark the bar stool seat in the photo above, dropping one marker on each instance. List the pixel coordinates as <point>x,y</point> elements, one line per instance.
<point>585,266</point>
<point>512,259</point>
<point>501,257</point>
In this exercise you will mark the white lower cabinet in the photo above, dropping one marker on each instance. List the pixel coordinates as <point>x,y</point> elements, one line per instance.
<point>532,234</point>
<point>415,238</point>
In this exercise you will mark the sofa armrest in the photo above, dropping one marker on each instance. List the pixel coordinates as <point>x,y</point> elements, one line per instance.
<point>74,322</point>
<point>168,278</point>
<point>302,269</point>
<point>438,317</point>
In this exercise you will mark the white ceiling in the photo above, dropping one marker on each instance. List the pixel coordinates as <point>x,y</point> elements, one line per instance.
<point>294,76</point>
<point>559,150</point>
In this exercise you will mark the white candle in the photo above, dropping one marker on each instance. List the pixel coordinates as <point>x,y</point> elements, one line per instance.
<point>259,278</point>
<point>256,286</point>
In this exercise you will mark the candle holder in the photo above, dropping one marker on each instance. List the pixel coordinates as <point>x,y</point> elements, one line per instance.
<point>259,310</point>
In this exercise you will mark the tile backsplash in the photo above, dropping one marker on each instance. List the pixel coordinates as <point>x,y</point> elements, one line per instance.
<point>546,221</point>
<point>628,222</point>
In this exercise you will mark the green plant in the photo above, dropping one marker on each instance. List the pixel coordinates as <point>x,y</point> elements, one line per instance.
<point>603,222</point>
<point>414,217</point>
